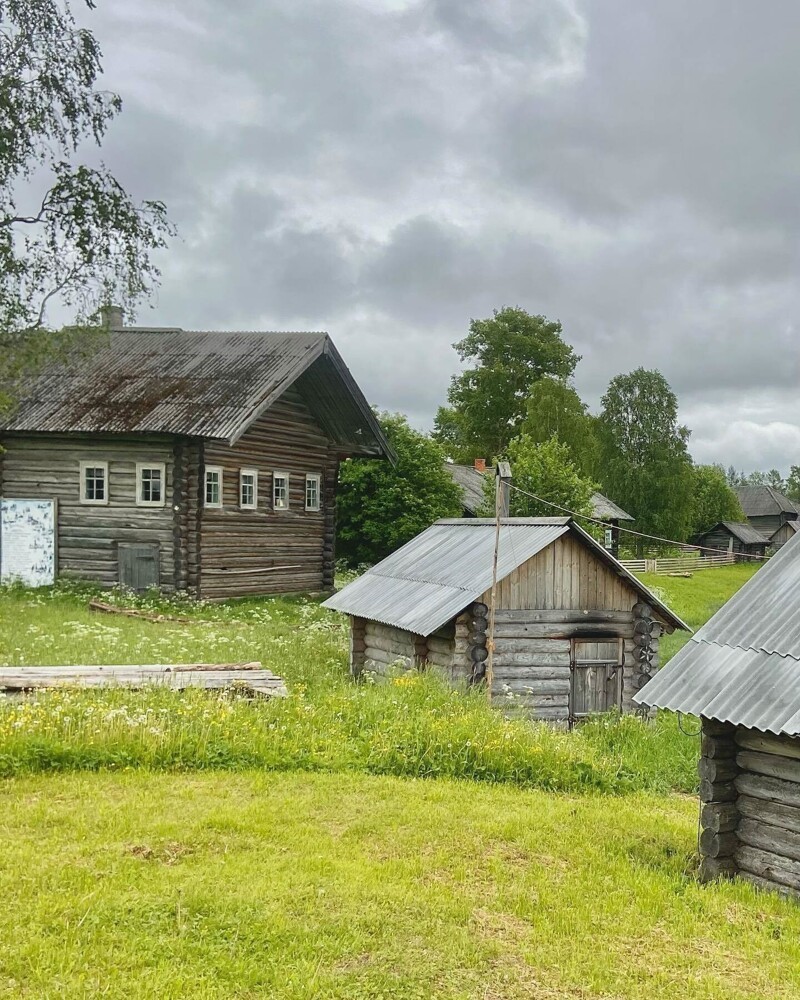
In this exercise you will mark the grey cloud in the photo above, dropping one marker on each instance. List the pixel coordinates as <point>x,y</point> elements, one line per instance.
<point>388,171</point>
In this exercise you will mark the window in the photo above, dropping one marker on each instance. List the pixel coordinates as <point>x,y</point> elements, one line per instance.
<point>94,482</point>
<point>248,489</point>
<point>280,490</point>
<point>213,486</point>
<point>151,482</point>
<point>312,491</point>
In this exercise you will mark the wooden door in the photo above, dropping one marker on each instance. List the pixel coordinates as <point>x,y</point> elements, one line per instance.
<point>138,566</point>
<point>596,677</point>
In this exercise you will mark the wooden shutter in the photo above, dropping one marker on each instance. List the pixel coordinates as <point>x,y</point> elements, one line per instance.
<point>138,565</point>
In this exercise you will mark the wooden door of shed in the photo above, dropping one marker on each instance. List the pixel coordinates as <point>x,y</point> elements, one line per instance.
<point>596,677</point>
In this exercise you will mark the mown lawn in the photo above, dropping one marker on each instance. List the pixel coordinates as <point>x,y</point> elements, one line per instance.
<point>350,886</point>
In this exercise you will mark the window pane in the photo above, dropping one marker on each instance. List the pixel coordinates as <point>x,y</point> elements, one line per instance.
<point>312,493</point>
<point>212,487</point>
<point>248,486</point>
<point>280,492</point>
<point>151,486</point>
<point>95,482</point>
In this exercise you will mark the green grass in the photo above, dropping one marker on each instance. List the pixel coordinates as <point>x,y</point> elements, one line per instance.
<point>159,844</point>
<point>319,886</point>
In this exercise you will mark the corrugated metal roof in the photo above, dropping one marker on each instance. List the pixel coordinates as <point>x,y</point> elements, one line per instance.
<point>197,383</point>
<point>760,501</point>
<point>743,665</point>
<point>440,572</point>
<point>606,510</point>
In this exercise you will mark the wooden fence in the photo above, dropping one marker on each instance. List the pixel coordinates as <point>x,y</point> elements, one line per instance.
<point>678,564</point>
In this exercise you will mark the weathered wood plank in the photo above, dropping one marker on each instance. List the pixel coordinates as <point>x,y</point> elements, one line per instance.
<point>769,866</point>
<point>771,765</point>
<point>719,817</point>
<point>179,675</point>
<point>786,843</point>
<point>773,813</point>
<point>716,769</point>
<point>771,789</point>
<point>545,616</point>
<point>781,746</point>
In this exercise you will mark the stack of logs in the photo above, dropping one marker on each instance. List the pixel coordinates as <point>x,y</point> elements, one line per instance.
<point>646,631</point>
<point>478,652</point>
<point>750,818</point>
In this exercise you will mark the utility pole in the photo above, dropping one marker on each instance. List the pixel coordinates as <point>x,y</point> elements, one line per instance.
<point>502,500</point>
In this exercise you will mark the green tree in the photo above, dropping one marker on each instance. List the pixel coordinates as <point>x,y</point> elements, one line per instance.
<point>546,470</point>
<point>733,477</point>
<point>712,499</point>
<point>68,231</point>
<point>506,355</point>
<point>556,409</point>
<point>793,483</point>
<point>645,463</point>
<point>380,507</point>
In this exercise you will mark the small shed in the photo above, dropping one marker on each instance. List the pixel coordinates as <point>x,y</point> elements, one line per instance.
<point>733,536</point>
<point>575,633</point>
<point>784,534</point>
<point>741,675</point>
<point>611,514</point>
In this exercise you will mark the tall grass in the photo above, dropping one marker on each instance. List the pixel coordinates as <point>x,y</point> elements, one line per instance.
<point>414,725</point>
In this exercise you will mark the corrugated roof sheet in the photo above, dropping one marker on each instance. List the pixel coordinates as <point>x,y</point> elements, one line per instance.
<point>606,510</point>
<point>197,383</point>
<point>743,665</point>
<point>760,501</point>
<point>436,575</point>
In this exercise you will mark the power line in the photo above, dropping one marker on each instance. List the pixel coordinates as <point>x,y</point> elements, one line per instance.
<point>630,531</point>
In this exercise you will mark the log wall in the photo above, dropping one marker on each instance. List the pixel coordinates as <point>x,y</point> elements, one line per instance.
<point>47,466</point>
<point>266,551</point>
<point>387,647</point>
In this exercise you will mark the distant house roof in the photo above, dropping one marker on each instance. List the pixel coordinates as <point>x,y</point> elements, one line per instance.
<point>792,526</point>
<point>761,501</point>
<point>606,510</point>
<point>746,534</point>
<point>743,665</point>
<point>472,480</point>
<point>198,383</point>
<point>432,578</point>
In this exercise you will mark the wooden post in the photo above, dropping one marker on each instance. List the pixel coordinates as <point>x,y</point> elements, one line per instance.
<point>358,645</point>
<point>502,491</point>
<point>719,815</point>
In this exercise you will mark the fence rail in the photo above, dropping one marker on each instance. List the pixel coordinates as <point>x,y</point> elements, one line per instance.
<point>678,564</point>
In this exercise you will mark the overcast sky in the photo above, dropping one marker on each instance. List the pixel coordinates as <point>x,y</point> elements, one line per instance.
<point>387,169</point>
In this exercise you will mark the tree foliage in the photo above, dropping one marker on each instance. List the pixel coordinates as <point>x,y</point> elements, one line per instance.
<point>645,463</point>
<point>67,230</point>
<point>506,355</point>
<point>380,507</point>
<point>713,500</point>
<point>793,483</point>
<point>546,470</point>
<point>556,410</point>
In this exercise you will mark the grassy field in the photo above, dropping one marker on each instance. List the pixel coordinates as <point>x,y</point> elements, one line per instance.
<point>328,886</point>
<point>167,845</point>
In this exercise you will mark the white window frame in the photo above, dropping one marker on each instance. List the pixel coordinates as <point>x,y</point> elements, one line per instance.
<point>316,478</point>
<point>140,468</point>
<point>254,474</point>
<point>94,464</point>
<point>280,474</point>
<point>206,502</point>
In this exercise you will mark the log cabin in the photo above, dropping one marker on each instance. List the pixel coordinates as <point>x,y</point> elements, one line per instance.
<point>766,508</point>
<point>575,633</point>
<point>740,539</point>
<point>740,674</point>
<point>192,461</point>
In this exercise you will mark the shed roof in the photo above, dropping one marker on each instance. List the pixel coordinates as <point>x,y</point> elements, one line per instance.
<point>792,526</point>
<point>746,534</point>
<point>761,501</point>
<point>606,510</point>
<point>197,383</point>
<point>432,578</point>
<point>743,665</point>
<point>471,481</point>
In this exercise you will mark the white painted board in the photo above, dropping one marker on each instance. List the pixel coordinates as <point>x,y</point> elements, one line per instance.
<point>28,542</point>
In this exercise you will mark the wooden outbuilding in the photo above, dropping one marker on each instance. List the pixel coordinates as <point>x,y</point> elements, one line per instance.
<point>736,537</point>
<point>195,461</point>
<point>741,675</point>
<point>784,534</point>
<point>766,508</point>
<point>575,633</point>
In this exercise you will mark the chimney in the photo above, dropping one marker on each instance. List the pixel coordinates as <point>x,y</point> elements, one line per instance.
<point>480,464</point>
<point>112,317</point>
